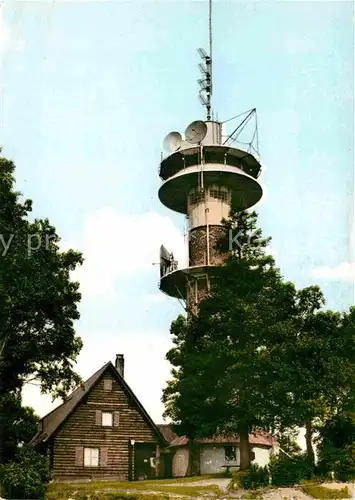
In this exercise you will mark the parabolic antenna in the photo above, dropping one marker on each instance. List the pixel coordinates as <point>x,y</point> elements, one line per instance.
<point>164,261</point>
<point>172,141</point>
<point>196,132</point>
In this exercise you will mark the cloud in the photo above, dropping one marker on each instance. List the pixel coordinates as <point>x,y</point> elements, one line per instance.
<point>344,271</point>
<point>116,245</point>
<point>119,245</point>
<point>146,369</point>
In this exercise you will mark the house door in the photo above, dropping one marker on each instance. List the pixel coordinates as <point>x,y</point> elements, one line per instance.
<point>180,465</point>
<point>144,461</point>
<point>168,465</point>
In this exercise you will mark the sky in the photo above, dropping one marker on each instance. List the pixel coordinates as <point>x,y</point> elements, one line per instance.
<point>89,89</point>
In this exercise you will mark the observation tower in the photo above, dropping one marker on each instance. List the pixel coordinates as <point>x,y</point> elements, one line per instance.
<point>203,176</point>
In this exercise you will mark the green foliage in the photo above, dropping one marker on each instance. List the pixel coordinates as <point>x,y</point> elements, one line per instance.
<point>336,447</point>
<point>317,491</point>
<point>38,303</point>
<point>19,423</point>
<point>345,468</point>
<point>25,477</point>
<point>259,353</point>
<point>223,368</point>
<point>287,471</point>
<point>253,478</point>
<point>318,362</point>
<point>317,479</point>
<point>287,441</point>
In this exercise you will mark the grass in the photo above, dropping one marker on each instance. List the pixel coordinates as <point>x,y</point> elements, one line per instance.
<point>109,496</point>
<point>317,491</point>
<point>132,489</point>
<point>131,484</point>
<point>252,495</point>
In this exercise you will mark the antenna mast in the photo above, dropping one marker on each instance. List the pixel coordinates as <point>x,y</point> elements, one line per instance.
<point>206,70</point>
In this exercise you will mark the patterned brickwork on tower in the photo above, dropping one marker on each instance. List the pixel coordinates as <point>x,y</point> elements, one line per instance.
<point>199,246</point>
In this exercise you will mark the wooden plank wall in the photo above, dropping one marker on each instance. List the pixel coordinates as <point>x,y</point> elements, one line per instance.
<point>83,429</point>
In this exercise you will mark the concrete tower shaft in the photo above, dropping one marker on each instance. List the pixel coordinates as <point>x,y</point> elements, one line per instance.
<point>206,209</point>
<point>204,181</point>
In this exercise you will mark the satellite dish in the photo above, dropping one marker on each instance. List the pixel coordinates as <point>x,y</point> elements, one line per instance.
<point>196,132</point>
<point>165,260</point>
<point>164,254</point>
<point>172,141</point>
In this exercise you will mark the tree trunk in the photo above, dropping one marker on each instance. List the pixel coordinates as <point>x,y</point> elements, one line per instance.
<point>2,458</point>
<point>2,436</point>
<point>193,468</point>
<point>245,457</point>
<point>309,445</point>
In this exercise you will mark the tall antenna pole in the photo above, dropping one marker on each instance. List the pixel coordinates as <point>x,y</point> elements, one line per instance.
<point>210,40</point>
<point>206,70</point>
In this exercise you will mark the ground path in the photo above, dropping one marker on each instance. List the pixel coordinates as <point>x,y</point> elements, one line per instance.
<point>276,494</point>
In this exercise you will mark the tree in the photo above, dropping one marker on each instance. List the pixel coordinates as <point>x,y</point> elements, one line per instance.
<point>287,441</point>
<point>19,424</point>
<point>38,300</point>
<point>259,353</point>
<point>26,476</point>
<point>222,376</point>
<point>336,446</point>
<point>318,363</point>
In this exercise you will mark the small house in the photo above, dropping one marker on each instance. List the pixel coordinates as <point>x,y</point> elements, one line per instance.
<point>101,432</point>
<point>217,454</point>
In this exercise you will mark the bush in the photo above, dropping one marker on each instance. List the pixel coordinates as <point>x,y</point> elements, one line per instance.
<point>336,449</point>
<point>26,477</point>
<point>316,491</point>
<point>255,477</point>
<point>341,462</point>
<point>345,467</point>
<point>250,479</point>
<point>287,471</point>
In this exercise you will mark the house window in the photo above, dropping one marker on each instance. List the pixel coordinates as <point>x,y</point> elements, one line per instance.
<point>106,419</point>
<point>107,385</point>
<point>230,454</point>
<point>91,457</point>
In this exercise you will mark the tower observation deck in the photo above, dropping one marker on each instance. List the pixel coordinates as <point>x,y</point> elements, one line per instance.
<point>203,179</point>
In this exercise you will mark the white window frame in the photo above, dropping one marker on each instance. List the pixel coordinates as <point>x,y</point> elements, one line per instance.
<point>107,419</point>
<point>91,457</point>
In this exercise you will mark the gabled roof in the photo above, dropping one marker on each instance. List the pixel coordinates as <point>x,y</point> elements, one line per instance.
<point>51,422</point>
<point>167,431</point>
<point>255,438</point>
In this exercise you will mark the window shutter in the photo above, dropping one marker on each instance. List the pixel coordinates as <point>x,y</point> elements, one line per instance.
<point>79,456</point>
<point>116,418</point>
<point>107,385</point>
<point>98,417</point>
<point>103,457</point>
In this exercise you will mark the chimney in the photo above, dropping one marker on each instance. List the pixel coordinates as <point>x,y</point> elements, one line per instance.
<point>119,364</point>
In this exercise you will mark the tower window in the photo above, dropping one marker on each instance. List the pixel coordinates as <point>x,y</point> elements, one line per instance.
<point>219,193</point>
<point>196,196</point>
